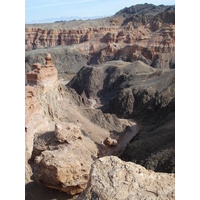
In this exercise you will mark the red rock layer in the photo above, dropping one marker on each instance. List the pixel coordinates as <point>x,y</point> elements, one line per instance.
<point>34,121</point>
<point>40,38</point>
<point>45,75</point>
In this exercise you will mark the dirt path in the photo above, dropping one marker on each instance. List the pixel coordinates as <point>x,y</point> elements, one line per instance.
<point>127,137</point>
<point>63,81</point>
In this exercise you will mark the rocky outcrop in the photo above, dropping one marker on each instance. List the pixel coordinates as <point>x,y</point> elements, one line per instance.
<point>63,160</point>
<point>43,38</point>
<point>38,113</point>
<point>35,121</point>
<point>45,75</point>
<point>121,82</point>
<point>111,178</point>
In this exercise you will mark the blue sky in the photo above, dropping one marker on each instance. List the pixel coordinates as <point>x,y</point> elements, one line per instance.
<point>36,10</point>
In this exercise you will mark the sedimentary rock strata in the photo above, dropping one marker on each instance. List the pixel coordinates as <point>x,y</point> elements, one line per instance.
<point>146,34</point>
<point>35,121</point>
<point>43,75</point>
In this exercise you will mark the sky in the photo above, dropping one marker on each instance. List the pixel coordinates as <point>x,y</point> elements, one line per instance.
<point>38,10</point>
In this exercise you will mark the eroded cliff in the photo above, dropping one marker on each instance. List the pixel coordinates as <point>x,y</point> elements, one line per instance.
<point>129,36</point>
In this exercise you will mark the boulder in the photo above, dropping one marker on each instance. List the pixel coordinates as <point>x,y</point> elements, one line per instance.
<point>112,178</point>
<point>61,159</point>
<point>110,142</point>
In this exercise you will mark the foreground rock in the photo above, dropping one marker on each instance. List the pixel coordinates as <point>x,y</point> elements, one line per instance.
<point>64,161</point>
<point>111,178</point>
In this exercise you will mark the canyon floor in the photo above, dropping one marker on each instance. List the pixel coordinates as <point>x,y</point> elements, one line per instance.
<point>100,107</point>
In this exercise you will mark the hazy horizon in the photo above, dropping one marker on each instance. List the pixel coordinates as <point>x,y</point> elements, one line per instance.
<point>43,11</point>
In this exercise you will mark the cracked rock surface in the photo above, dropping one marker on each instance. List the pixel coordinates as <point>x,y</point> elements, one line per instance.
<point>112,178</point>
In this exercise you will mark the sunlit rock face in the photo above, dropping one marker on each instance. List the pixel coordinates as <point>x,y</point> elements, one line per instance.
<point>112,178</point>
<point>43,75</point>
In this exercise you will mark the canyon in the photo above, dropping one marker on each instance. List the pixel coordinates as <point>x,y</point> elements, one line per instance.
<point>100,106</point>
<point>147,35</point>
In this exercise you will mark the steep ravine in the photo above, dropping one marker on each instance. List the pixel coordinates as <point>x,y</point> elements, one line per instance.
<point>136,91</point>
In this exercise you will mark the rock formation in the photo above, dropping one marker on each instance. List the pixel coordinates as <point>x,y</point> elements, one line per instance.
<point>60,141</point>
<point>121,81</point>
<point>142,32</point>
<point>111,178</point>
<point>43,75</point>
<point>64,161</point>
<point>123,70</point>
<point>35,121</point>
<point>110,142</point>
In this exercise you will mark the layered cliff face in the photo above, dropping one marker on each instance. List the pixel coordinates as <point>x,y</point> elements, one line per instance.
<point>146,34</point>
<point>42,38</point>
<point>44,76</point>
<point>40,81</point>
<point>35,121</point>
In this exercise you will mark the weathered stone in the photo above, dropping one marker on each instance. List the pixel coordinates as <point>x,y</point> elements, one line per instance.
<point>64,166</point>
<point>69,133</point>
<point>35,121</point>
<point>110,142</point>
<point>45,75</point>
<point>112,178</point>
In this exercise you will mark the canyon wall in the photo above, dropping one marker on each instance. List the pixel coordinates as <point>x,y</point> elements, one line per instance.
<point>124,36</point>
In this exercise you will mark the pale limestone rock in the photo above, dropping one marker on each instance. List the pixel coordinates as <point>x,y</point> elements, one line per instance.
<point>68,133</point>
<point>112,178</point>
